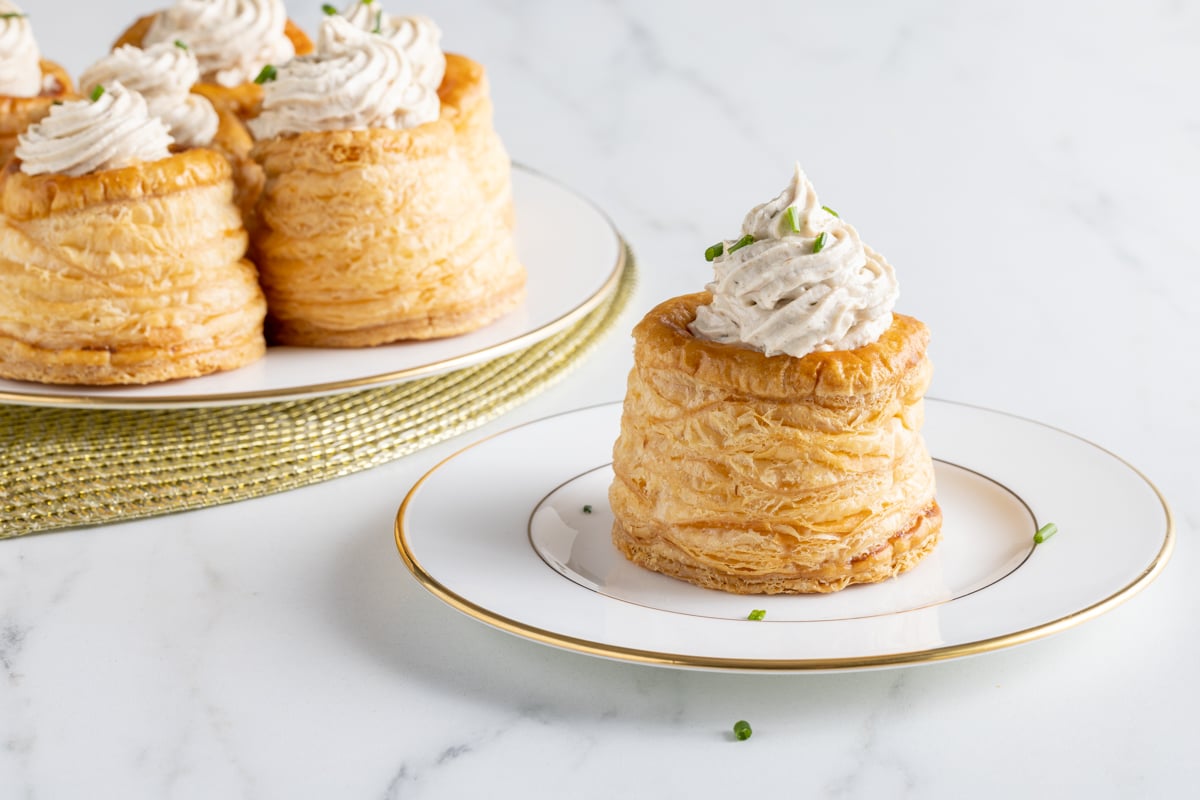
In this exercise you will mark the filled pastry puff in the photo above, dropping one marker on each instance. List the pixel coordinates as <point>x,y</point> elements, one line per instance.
<point>233,41</point>
<point>29,84</point>
<point>121,263</point>
<point>386,212</point>
<point>742,467</point>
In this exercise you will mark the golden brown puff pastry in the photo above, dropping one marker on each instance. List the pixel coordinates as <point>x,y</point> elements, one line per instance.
<point>365,237</point>
<point>467,105</point>
<point>18,113</point>
<point>234,141</point>
<point>125,276</point>
<point>750,474</point>
<point>243,100</point>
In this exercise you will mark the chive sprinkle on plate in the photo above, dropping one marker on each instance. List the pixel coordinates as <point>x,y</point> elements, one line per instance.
<point>1045,532</point>
<point>757,614</point>
<point>741,730</point>
<point>587,509</point>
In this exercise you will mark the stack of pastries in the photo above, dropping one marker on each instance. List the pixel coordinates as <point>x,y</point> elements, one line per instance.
<point>770,436</point>
<point>219,183</point>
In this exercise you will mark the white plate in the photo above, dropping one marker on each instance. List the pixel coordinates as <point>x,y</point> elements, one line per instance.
<point>499,531</point>
<point>574,258</point>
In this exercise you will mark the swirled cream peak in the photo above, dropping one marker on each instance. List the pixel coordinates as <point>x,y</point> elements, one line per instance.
<point>162,73</point>
<point>20,68</point>
<point>354,80</point>
<point>81,136</point>
<point>231,39</point>
<point>801,281</point>
<point>419,37</point>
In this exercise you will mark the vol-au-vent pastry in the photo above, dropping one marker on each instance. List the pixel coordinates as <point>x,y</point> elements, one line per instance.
<point>233,40</point>
<point>373,226</point>
<point>29,84</point>
<point>165,74</point>
<point>120,262</point>
<point>770,437</point>
<point>462,89</point>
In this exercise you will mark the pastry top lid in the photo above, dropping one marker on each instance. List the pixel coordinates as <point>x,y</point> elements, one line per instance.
<point>799,280</point>
<point>109,129</point>
<point>20,68</point>
<point>164,74</point>
<point>355,80</point>
<point>419,37</point>
<point>231,39</point>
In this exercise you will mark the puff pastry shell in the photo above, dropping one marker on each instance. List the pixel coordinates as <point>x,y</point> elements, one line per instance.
<point>371,236</point>
<point>18,113</point>
<point>750,474</point>
<point>126,276</point>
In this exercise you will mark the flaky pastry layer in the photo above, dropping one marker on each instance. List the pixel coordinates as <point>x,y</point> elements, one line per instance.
<point>126,276</point>
<point>372,236</point>
<point>755,474</point>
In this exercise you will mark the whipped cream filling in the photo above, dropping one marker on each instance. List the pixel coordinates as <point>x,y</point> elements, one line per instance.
<point>20,68</point>
<point>81,136</point>
<point>231,39</point>
<point>419,37</point>
<point>164,74</point>
<point>354,80</point>
<point>799,281</point>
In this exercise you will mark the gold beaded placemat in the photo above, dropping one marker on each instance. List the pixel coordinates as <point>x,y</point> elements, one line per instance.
<point>63,467</point>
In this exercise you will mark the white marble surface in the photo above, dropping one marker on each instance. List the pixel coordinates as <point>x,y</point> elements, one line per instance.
<point>1030,169</point>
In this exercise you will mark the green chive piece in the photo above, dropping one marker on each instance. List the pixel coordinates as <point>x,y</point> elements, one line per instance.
<point>366,2</point>
<point>57,103</point>
<point>378,22</point>
<point>742,242</point>
<point>329,10</point>
<point>831,211</point>
<point>793,218</point>
<point>268,73</point>
<point>757,614</point>
<point>181,44</point>
<point>587,509</point>
<point>741,730</point>
<point>97,93</point>
<point>1045,532</point>
<point>714,251</point>
<point>819,244</point>
<point>11,15</point>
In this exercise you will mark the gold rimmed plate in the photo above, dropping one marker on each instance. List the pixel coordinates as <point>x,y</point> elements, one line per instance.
<point>574,257</point>
<point>514,532</point>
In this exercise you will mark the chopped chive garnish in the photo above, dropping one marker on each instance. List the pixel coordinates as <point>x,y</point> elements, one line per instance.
<point>1045,532</point>
<point>831,211</point>
<point>329,10</point>
<point>11,15</point>
<point>742,242</point>
<point>366,2</point>
<point>714,251</point>
<point>378,22</point>
<point>180,44</point>
<point>757,614</point>
<point>793,218</point>
<point>587,509</point>
<point>97,93</point>
<point>268,73</point>
<point>741,730</point>
<point>819,244</point>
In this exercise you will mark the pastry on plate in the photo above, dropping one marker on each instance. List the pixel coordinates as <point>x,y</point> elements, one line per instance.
<point>373,225</point>
<point>29,84</point>
<point>770,437</point>
<point>120,262</point>
<point>165,74</point>
<point>233,40</point>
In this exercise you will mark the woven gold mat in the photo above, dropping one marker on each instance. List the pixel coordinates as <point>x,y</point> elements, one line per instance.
<point>62,467</point>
